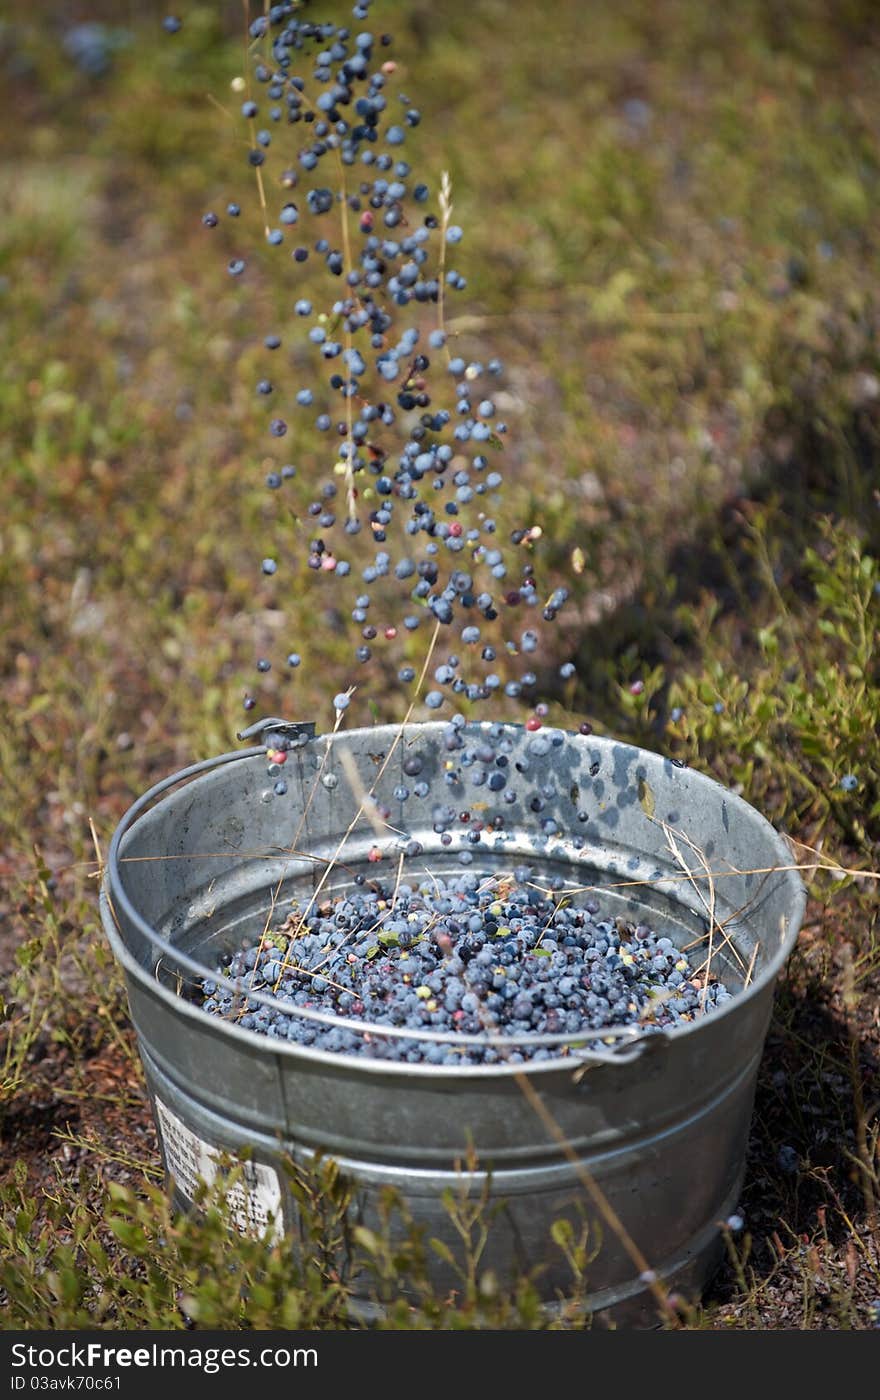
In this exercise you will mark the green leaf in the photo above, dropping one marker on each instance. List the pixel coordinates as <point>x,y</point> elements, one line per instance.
<point>443,1251</point>
<point>561,1233</point>
<point>646,797</point>
<point>27,953</point>
<point>367,1239</point>
<point>128,1234</point>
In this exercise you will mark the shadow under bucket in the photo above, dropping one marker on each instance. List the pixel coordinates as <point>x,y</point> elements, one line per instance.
<point>657,1122</point>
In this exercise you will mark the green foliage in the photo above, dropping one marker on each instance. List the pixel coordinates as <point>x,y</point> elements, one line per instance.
<point>65,988</point>
<point>805,714</point>
<point>121,1257</point>
<point>127,1260</point>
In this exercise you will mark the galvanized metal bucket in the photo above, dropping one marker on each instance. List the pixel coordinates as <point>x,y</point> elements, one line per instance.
<point>658,1122</point>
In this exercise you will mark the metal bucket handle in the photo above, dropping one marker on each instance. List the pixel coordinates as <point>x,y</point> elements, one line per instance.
<point>633,1042</point>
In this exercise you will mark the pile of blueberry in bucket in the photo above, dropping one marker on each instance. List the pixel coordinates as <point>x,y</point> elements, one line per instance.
<point>477,956</point>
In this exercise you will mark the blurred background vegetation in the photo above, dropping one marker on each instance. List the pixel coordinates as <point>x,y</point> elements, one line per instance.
<point>672,241</point>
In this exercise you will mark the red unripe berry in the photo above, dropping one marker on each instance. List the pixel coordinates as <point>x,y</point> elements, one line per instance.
<point>533,723</point>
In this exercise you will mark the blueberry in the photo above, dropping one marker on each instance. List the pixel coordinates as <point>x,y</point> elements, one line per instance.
<point>788,1160</point>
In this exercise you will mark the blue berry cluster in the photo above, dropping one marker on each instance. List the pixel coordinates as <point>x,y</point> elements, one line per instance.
<point>403,485</point>
<point>461,956</point>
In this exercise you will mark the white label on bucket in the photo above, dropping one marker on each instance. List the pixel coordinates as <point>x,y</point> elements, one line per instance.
<point>189,1159</point>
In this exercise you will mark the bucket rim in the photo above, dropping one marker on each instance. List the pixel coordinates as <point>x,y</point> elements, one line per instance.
<point>631,1042</point>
